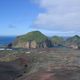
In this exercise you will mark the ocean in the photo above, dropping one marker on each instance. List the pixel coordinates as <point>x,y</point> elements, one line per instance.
<point>4,40</point>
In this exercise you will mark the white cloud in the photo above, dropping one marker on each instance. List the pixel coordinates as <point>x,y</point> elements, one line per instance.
<point>60,15</point>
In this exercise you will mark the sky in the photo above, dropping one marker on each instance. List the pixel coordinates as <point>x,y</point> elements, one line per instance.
<point>52,17</point>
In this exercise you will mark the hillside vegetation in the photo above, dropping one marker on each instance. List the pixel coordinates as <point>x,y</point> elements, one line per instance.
<point>56,40</point>
<point>36,39</point>
<point>34,35</point>
<point>74,41</point>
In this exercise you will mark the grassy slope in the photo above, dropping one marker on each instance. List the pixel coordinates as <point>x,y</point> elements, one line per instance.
<point>57,40</point>
<point>73,40</point>
<point>34,35</point>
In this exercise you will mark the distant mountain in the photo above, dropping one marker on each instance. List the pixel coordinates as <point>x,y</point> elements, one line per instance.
<point>56,40</point>
<point>34,39</point>
<point>73,41</point>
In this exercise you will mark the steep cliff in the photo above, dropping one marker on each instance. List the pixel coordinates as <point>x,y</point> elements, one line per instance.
<point>34,39</point>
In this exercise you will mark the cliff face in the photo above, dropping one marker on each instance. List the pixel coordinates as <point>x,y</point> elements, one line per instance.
<point>31,44</point>
<point>73,42</point>
<point>33,39</point>
<point>36,39</point>
<point>34,44</point>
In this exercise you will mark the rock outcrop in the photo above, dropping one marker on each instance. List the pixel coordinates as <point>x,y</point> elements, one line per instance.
<point>34,39</point>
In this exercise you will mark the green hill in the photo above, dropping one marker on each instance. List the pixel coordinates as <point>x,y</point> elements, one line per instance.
<point>32,39</point>
<point>75,41</point>
<point>74,38</point>
<point>56,40</point>
<point>34,35</point>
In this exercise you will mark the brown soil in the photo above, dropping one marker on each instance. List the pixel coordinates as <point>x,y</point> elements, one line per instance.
<point>57,74</point>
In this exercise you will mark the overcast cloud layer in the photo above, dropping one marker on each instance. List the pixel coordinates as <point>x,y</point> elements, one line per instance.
<point>59,15</point>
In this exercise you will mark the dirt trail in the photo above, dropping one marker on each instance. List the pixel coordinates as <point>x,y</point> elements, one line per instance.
<point>46,76</point>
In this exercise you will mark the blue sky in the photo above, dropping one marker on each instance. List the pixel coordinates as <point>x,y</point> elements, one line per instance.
<point>52,17</point>
<point>16,16</point>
